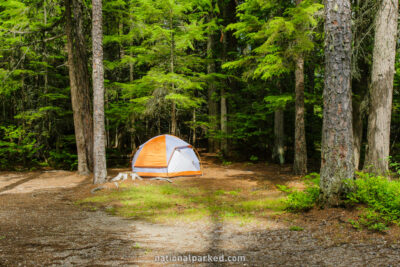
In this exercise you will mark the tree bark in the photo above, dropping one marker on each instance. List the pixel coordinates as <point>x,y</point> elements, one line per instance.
<point>79,83</point>
<point>279,136</point>
<point>212,103</point>
<point>381,92</point>
<point>337,130</point>
<point>357,132</point>
<point>300,147</point>
<point>173,119</point>
<point>224,122</point>
<point>172,66</point>
<point>100,167</point>
<point>360,98</point>
<point>194,127</point>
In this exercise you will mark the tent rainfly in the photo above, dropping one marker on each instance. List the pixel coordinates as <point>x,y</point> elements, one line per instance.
<point>166,156</point>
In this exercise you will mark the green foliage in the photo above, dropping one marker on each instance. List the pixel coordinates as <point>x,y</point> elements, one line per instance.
<point>382,197</point>
<point>305,200</point>
<point>371,220</point>
<point>298,201</point>
<point>17,146</point>
<point>63,160</point>
<point>395,166</point>
<point>276,42</point>
<point>296,228</point>
<point>253,158</point>
<point>141,39</point>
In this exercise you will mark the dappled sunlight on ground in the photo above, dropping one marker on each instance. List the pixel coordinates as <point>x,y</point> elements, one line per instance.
<point>52,218</point>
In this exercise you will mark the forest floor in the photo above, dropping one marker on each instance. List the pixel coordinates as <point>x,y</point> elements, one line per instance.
<point>46,221</point>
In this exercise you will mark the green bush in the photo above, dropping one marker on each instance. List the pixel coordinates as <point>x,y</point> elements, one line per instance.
<point>17,147</point>
<point>297,201</point>
<point>382,197</point>
<point>63,160</point>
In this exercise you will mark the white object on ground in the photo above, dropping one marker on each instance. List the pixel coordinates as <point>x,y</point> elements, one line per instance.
<point>122,176</point>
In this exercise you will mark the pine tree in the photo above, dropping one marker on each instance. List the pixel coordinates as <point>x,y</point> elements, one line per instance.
<point>79,82</point>
<point>381,92</point>
<point>99,146</point>
<point>337,133</point>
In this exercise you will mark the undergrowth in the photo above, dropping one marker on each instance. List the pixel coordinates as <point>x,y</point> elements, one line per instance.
<point>379,195</point>
<point>382,199</point>
<point>297,200</point>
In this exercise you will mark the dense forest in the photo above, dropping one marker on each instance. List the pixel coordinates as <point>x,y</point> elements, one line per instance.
<point>200,132</point>
<point>251,80</point>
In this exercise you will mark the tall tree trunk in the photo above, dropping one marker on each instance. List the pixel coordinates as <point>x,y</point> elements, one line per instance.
<point>228,7</point>
<point>279,136</point>
<point>212,103</point>
<point>172,66</point>
<point>300,147</point>
<point>337,131</point>
<point>309,116</point>
<point>360,98</point>
<point>224,122</point>
<point>79,83</point>
<point>223,104</point>
<point>357,131</point>
<point>194,127</point>
<point>99,149</point>
<point>173,119</point>
<point>381,92</point>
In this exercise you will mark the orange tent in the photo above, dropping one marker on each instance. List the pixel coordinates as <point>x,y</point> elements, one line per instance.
<point>166,156</point>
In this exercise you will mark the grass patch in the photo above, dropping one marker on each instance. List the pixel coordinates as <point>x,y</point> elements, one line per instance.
<point>296,228</point>
<point>161,203</point>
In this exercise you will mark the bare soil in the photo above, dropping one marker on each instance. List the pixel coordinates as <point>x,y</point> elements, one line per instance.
<point>41,226</point>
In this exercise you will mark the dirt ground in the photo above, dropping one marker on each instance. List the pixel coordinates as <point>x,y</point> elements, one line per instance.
<point>41,226</point>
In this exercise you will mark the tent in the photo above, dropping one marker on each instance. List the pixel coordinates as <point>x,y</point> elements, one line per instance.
<point>166,156</point>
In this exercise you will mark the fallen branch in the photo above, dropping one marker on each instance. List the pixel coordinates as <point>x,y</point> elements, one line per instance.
<point>161,179</point>
<point>96,189</point>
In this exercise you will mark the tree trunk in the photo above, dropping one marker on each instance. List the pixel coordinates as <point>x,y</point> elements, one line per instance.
<point>173,119</point>
<point>309,116</point>
<point>224,123</point>
<point>79,83</point>
<point>360,98</point>
<point>99,149</point>
<point>194,127</point>
<point>357,132</point>
<point>300,147</point>
<point>212,103</point>
<point>381,91</point>
<point>279,136</point>
<point>337,130</point>
<point>172,66</point>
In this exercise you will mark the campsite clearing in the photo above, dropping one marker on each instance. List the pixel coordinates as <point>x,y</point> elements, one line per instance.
<point>51,218</point>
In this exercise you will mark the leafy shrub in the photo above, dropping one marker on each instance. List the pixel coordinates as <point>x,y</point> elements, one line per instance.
<point>382,197</point>
<point>63,160</point>
<point>253,158</point>
<point>371,220</point>
<point>17,146</point>
<point>395,166</point>
<point>297,201</point>
<point>302,200</point>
